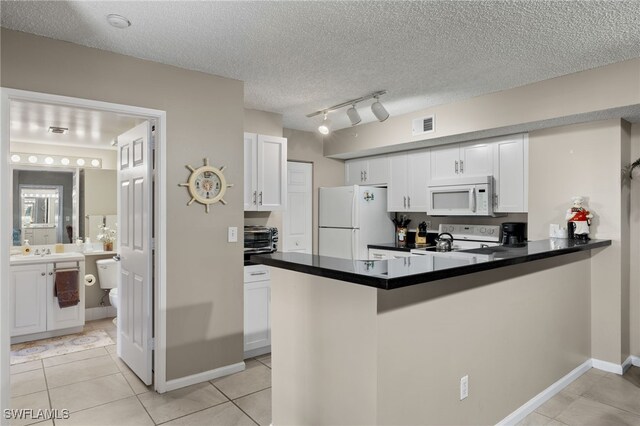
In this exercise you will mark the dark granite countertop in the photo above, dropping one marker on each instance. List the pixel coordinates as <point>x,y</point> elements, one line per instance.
<point>432,266</point>
<point>395,247</point>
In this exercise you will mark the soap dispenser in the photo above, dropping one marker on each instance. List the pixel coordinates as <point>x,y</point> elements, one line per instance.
<point>26,248</point>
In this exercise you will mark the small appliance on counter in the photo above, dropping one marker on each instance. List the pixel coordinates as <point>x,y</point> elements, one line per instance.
<point>259,240</point>
<point>514,233</point>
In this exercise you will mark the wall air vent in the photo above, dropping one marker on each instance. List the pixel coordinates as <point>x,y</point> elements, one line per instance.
<point>423,125</point>
<point>58,130</point>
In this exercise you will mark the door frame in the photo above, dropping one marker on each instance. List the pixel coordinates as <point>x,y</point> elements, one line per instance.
<point>160,284</point>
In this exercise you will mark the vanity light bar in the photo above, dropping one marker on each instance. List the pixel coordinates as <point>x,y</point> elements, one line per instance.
<point>55,160</point>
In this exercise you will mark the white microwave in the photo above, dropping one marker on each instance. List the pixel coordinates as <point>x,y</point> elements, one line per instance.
<point>468,196</point>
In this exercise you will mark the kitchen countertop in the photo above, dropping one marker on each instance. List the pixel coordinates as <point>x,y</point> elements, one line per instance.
<point>395,247</point>
<point>432,266</point>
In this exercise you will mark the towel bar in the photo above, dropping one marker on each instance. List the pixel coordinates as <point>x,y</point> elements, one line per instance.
<point>66,268</point>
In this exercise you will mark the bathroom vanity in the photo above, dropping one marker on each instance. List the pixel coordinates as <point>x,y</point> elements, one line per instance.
<point>34,310</point>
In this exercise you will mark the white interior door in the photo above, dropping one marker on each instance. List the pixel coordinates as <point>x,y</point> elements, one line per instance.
<point>134,227</point>
<point>297,223</point>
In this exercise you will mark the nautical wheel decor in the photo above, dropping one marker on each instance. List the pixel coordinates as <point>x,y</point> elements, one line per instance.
<point>206,185</point>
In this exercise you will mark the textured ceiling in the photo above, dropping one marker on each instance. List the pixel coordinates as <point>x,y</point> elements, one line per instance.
<point>298,57</point>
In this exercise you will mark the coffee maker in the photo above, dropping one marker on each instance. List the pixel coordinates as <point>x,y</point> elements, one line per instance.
<point>514,233</point>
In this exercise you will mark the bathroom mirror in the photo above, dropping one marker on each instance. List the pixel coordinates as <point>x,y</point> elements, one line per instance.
<point>43,207</point>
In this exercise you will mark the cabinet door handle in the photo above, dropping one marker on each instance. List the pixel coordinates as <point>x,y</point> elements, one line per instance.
<point>456,166</point>
<point>361,176</point>
<point>43,274</point>
<point>260,197</point>
<point>258,273</point>
<point>255,196</point>
<point>50,273</point>
<point>365,175</point>
<point>461,166</point>
<point>404,202</point>
<point>408,201</point>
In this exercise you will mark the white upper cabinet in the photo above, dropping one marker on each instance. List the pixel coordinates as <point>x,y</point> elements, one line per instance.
<point>408,177</point>
<point>462,160</point>
<point>265,168</point>
<point>511,167</point>
<point>367,171</point>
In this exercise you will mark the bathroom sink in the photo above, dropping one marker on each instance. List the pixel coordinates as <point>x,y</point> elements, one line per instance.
<point>19,259</point>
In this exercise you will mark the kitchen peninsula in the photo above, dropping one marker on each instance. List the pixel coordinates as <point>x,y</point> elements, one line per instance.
<point>388,342</point>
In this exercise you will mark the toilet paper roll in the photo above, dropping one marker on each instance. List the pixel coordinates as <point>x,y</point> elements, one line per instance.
<point>89,280</point>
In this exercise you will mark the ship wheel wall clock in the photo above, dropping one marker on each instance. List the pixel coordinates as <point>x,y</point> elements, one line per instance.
<point>206,185</point>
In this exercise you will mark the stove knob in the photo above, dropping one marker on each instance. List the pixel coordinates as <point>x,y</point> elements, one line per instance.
<point>451,228</point>
<point>491,230</point>
<point>483,230</point>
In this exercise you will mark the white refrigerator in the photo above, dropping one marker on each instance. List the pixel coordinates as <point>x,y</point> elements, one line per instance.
<point>352,217</point>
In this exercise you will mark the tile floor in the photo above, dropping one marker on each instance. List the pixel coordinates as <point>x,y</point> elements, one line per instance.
<point>99,389</point>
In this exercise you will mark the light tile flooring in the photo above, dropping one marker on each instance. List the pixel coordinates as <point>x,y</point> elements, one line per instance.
<point>99,389</point>
<point>595,398</point>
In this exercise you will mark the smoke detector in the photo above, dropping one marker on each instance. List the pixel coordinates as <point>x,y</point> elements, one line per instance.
<point>118,21</point>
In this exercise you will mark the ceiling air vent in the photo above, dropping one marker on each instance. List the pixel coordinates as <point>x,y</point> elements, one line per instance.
<point>423,125</point>
<point>58,130</point>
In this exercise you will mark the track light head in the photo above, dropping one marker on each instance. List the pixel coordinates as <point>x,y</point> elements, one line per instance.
<point>379,111</point>
<point>353,114</point>
<point>325,127</point>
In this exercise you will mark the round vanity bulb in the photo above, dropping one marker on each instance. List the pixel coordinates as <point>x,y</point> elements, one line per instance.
<point>33,159</point>
<point>95,163</point>
<point>65,161</point>
<point>80,162</point>
<point>15,158</point>
<point>48,160</point>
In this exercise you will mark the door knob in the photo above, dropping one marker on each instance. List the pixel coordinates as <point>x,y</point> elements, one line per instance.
<point>42,273</point>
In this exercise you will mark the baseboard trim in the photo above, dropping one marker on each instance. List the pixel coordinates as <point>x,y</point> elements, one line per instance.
<point>635,360</point>
<point>257,352</point>
<point>545,395</point>
<point>99,312</point>
<point>611,367</point>
<point>204,376</point>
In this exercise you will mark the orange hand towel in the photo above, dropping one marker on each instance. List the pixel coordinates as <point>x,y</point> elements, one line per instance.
<point>67,288</point>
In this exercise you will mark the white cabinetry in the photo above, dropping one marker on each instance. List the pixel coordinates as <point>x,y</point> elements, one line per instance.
<point>34,307</point>
<point>408,178</point>
<point>379,254</point>
<point>367,171</point>
<point>510,171</point>
<point>28,299</point>
<point>462,160</point>
<point>257,310</point>
<point>265,172</point>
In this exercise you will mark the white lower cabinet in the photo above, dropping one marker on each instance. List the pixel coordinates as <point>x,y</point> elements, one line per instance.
<point>257,310</point>
<point>34,307</point>
<point>378,254</point>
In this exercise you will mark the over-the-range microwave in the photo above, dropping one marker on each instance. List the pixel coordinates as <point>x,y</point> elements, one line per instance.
<point>467,196</point>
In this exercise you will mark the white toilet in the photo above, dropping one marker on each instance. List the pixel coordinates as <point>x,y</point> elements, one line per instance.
<point>108,276</point>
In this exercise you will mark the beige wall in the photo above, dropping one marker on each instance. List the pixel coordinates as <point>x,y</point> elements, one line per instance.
<point>634,249</point>
<point>350,354</point>
<point>262,122</point>
<point>586,159</point>
<point>307,147</point>
<point>204,119</point>
<point>501,113</point>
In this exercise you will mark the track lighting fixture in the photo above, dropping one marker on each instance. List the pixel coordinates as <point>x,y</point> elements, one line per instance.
<point>378,110</point>
<point>325,126</point>
<point>354,116</point>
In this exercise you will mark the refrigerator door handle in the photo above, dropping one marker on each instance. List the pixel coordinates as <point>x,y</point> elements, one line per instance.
<point>353,244</point>
<point>353,210</point>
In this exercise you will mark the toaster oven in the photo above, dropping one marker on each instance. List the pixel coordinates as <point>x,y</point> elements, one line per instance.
<point>260,239</point>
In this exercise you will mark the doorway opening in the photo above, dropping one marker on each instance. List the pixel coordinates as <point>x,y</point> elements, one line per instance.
<point>101,147</point>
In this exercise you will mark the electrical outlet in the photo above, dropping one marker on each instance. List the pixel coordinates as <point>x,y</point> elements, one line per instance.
<point>464,387</point>
<point>232,236</point>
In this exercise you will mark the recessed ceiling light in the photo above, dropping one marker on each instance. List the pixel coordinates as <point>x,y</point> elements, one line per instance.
<point>118,21</point>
